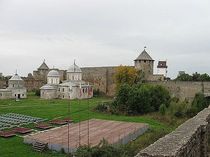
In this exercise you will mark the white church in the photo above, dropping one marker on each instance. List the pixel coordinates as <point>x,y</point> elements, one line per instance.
<point>72,88</point>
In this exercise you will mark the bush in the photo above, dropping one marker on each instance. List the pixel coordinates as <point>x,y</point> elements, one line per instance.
<point>162,109</point>
<point>103,149</point>
<point>103,107</point>
<point>141,98</point>
<point>98,93</point>
<point>179,109</point>
<point>199,102</point>
<point>191,112</point>
<point>37,92</point>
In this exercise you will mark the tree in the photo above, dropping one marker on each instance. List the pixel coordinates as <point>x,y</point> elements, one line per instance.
<point>184,77</point>
<point>194,77</point>
<point>204,77</point>
<point>141,98</point>
<point>128,75</point>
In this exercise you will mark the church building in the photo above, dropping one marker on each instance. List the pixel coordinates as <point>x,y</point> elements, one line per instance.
<point>71,88</point>
<point>15,90</point>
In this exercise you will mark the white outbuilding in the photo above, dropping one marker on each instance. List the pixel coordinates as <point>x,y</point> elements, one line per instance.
<point>15,89</point>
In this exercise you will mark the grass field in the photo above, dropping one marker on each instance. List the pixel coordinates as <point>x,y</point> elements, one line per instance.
<point>51,109</point>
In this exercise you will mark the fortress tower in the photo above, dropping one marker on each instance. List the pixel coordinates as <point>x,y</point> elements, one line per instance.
<point>41,72</point>
<point>144,63</point>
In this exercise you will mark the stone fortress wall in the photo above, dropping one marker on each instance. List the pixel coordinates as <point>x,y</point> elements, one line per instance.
<point>102,79</point>
<point>185,89</point>
<point>189,140</point>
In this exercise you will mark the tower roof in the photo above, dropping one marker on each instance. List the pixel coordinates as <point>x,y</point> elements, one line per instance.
<point>16,77</point>
<point>43,66</point>
<point>144,56</point>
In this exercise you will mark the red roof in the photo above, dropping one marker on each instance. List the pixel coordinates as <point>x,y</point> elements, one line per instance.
<point>7,134</point>
<point>22,130</point>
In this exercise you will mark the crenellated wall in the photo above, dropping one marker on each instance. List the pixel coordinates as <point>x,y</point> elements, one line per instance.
<point>188,140</point>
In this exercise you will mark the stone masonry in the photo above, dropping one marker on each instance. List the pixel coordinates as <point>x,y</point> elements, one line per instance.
<point>188,140</point>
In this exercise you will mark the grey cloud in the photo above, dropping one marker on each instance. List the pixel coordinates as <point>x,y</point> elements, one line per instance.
<point>116,31</point>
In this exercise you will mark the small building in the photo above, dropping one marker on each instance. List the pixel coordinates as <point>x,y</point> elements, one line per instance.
<point>162,68</point>
<point>15,90</point>
<point>72,88</point>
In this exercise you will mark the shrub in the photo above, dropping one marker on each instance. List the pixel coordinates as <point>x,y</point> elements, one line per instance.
<point>37,92</point>
<point>141,98</point>
<point>179,109</point>
<point>199,102</point>
<point>102,106</point>
<point>97,93</point>
<point>103,149</point>
<point>162,109</point>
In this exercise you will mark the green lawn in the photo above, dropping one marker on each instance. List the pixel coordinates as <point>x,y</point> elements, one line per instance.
<point>51,109</point>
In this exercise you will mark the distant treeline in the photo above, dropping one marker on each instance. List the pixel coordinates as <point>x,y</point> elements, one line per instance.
<point>194,77</point>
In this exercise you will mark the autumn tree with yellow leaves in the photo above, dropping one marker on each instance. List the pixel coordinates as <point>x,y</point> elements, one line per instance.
<point>127,75</point>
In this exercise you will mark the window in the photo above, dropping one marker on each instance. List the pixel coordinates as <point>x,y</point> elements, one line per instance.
<point>22,94</point>
<point>83,90</point>
<point>15,95</point>
<point>63,96</point>
<point>63,89</point>
<point>13,85</point>
<point>144,61</point>
<point>0,94</point>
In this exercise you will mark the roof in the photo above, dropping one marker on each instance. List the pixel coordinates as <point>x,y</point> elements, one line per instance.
<point>162,64</point>
<point>74,69</point>
<point>43,66</point>
<point>48,87</point>
<point>53,73</point>
<point>5,90</point>
<point>73,83</point>
<point>144,56</point>
<point>16,77</point>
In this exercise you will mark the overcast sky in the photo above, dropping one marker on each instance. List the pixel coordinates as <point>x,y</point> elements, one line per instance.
<point>104,33</point>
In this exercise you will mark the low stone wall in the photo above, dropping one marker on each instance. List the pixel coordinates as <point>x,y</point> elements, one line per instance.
<point>188,140</point>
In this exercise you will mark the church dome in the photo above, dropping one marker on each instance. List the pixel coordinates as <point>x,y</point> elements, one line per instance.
<point>16,77</point>
<point>53,73</point>
<point>74,69</point>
